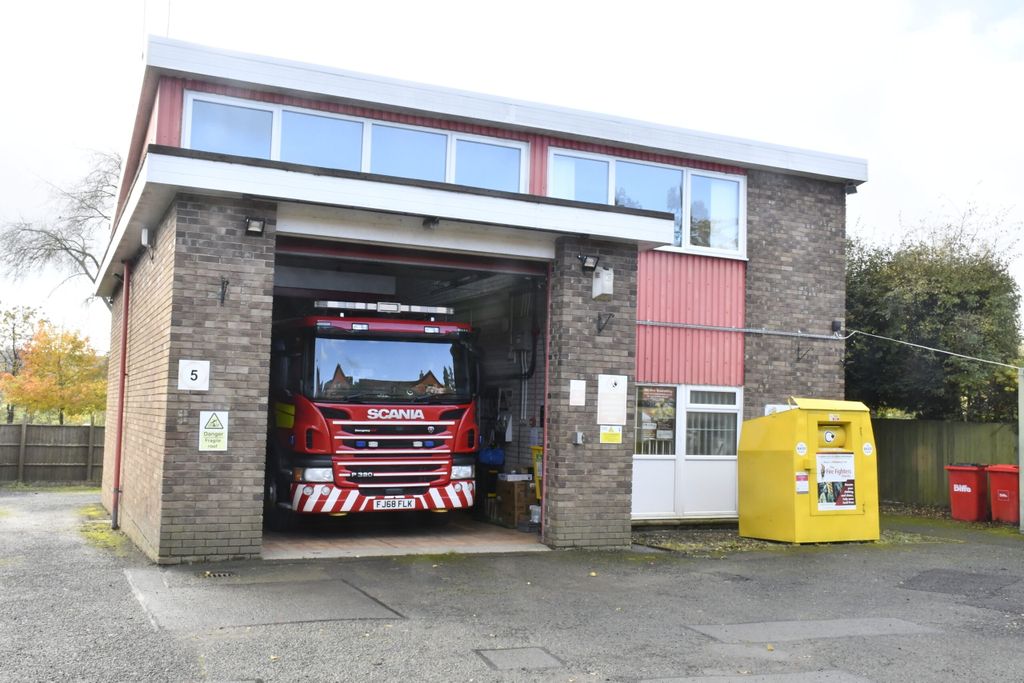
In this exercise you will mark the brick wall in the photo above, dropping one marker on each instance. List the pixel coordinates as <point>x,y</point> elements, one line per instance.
<point>212,501</point>
<point>795,281</point>
<point>149,319</point>
<point>179,504</point>
<point>588,487</point>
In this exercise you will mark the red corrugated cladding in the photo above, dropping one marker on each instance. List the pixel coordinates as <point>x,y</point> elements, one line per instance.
<point>682,288</point>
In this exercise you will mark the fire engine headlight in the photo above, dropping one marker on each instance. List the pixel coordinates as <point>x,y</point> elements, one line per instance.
<point>462,471</point>
<point>318,474</point>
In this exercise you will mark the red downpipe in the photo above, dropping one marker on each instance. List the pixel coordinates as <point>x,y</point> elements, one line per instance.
<point>122,374</point>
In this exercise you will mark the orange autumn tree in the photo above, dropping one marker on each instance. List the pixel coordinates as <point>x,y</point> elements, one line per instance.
<point>61,372</point>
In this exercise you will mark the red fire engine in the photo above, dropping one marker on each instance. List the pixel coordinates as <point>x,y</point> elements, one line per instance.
<point>371,413</point>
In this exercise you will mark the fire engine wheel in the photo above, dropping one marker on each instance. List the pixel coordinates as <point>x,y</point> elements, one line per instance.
<point>275,518</point>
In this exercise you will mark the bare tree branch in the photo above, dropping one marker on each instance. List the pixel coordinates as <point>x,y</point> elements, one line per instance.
<point>71,241</point>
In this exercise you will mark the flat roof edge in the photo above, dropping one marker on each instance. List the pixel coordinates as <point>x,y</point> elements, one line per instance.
<point>179,57</point>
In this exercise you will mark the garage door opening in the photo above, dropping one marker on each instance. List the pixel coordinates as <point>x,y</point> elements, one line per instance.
<point>406,402</point>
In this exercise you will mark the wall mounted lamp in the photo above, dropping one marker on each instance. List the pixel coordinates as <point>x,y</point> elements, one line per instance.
<point>254,226</point>
<point>146,241</point>
<point>588,263</point>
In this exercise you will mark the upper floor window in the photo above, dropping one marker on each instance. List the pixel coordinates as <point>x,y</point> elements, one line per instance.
<point>709,207</point>
<point>408,153</point>
<point>231,129</point>
<point>230,125</point>
<point>714,212</point>
<point>321,140</point>
<point>488,165</point>
<point>580,178</point>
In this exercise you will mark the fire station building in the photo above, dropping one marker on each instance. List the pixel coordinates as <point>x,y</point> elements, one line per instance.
<point>636,289</point>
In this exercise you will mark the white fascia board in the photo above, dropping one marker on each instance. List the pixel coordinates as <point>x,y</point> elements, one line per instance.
<point>289,185</point>
<point>384,229</point>
<point>188,59</point>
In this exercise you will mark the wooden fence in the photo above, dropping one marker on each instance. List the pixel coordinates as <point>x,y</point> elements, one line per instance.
<point>51,453</point>
<point>912,455</point>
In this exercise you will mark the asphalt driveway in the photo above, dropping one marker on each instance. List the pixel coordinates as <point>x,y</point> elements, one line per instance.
<point>936,602</point>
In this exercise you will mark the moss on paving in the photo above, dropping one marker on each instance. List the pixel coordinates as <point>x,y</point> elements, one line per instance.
<point>700,542</point>
<point>4,512</point>
<point>95,529</point>
<point>1000,529</point>
<point>719,543</point>
<point>897,537</point>
<point>49,488</point>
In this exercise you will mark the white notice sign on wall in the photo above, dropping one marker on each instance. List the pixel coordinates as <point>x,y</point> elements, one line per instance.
<point>194,375</point>
<point>611,399</point>
<point>213,430</point>
<point>577,392</point>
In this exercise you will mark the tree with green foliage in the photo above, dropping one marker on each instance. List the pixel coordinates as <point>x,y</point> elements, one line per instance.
<point>949,291</point>
<point>61,373</point>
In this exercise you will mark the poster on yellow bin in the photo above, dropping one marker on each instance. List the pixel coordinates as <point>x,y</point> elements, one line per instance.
<point>836,482</point>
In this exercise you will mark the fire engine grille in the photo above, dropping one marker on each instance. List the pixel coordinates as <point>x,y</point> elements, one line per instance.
<point>376,478</point>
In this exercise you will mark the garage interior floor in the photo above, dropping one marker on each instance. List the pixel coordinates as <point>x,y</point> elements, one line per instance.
<point>394,534</point>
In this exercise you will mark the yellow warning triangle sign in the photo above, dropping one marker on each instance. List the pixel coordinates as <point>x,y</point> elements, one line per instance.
<point>213,423</point>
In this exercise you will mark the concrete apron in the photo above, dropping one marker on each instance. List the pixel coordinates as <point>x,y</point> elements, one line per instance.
<point>394,534</point>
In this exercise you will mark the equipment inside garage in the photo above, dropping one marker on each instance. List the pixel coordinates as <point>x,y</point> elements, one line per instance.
<point>405,385</point>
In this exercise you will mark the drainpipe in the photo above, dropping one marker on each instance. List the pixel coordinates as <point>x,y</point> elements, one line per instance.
<point>547,409</point>
<point>122,375</point>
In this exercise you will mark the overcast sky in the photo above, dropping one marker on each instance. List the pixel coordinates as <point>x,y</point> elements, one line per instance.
<point>929,92</point>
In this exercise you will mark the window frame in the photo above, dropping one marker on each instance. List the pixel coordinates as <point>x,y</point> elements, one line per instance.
<point>686,194</point>
<point>684,405</point>
<point>448,149</point>
<point>452,136</point>
<point>636,422</point>
<point>524,157</point>
<point>688,405</point>
<point>555,151</point>
<point>279,125</point>
<point>192,96</point>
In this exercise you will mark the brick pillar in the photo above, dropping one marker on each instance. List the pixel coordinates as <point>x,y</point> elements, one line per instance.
<point>588,487</point>
<point>220,312</point>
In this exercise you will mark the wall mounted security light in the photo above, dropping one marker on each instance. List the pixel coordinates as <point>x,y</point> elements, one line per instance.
<point>254,226</point>
<point>589,263</point>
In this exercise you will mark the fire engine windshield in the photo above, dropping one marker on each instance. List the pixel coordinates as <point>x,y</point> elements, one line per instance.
<point>406,370</point>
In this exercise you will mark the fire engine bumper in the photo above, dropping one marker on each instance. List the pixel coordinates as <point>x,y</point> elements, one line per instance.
<point>327,499</point>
